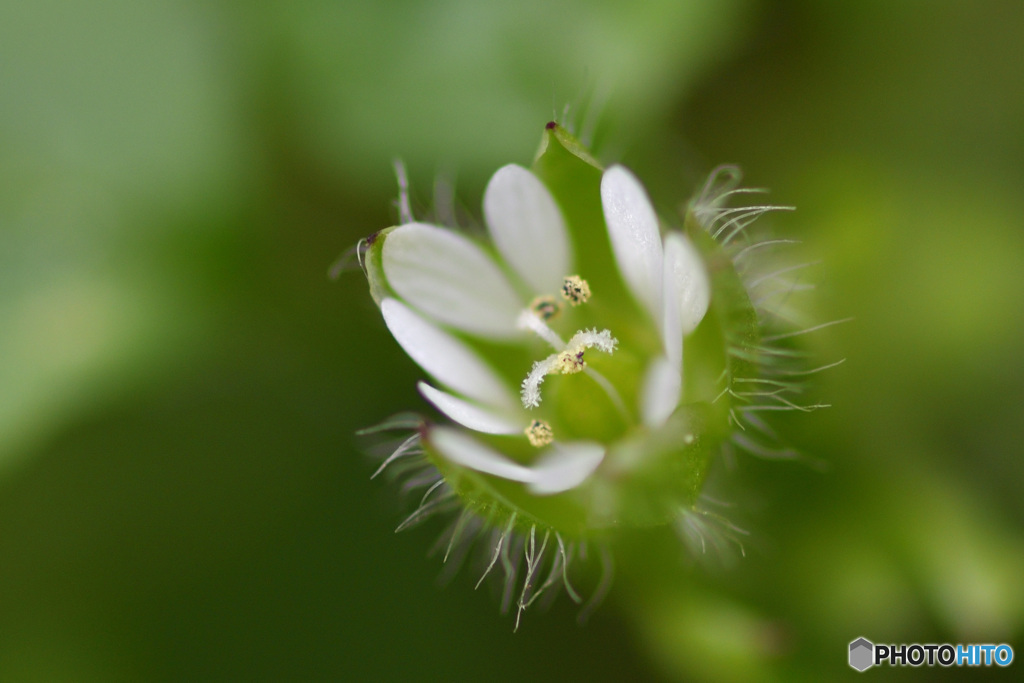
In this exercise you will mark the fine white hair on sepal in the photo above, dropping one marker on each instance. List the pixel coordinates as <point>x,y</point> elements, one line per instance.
<point>404,206</point>
<point>708,534</point>
<point>534,561</point>
<point>725,224</point>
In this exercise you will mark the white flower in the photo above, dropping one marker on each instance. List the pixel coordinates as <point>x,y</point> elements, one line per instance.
<point>448,292</point>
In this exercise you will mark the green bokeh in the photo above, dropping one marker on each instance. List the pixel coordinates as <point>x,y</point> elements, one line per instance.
<point>181,493</point>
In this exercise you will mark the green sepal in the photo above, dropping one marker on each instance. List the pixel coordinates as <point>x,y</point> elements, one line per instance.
<point>573,176</point>
<point>648,477</point>
<point>730,306</point>
<point>373,266</point>
<point>496,500</point>
<point>554,133</point>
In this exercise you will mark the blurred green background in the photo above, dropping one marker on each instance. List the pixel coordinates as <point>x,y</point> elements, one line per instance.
<point>181,493</point>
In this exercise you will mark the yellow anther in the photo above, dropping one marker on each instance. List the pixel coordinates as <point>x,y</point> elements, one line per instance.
<point>575,290</point>
<point>539,433</point>
<point>571,361</point>
<point>545,307</point>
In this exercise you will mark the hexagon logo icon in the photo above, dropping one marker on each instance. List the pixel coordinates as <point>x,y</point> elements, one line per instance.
<point>862,654</point>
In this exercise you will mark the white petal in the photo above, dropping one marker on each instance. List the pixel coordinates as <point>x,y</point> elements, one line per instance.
<point>672,321</point>
<point>527,227</point>
<point>469,415</point>
<point>450,361</point>
<point>635,236</point>
<point>560,468</point>
<point>660,394</point>
<point>686,275</point>
<point>565,466</point>
<point>463,450</point>
<point>451,279</point>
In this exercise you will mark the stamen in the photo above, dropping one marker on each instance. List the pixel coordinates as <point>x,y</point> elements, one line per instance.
<point>575,290</point>
<point>539,433</point>
<point>567,362</point>
<point>545,307</point>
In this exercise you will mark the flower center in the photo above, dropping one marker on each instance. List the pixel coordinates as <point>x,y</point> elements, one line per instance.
<point>570,362</point>
<point>567,362</point>
<point>568,358</point>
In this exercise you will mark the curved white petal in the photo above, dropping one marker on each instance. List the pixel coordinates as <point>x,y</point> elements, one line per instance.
<point>635,236</point>
<point>527,227</point>
<point>565,466</point>
<point>463,450</point>
<point>469,415</point>
<point>446,358</point>
<point>672,321</point>
<point>660,393</point>
<point>560,468</point>
<point>686,275</point>
<point>451,279</point>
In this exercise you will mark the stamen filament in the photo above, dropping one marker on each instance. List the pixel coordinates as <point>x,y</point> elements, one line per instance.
<point>528,320</point>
